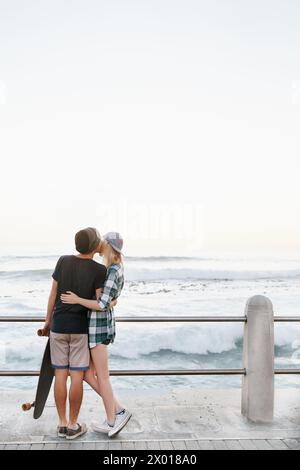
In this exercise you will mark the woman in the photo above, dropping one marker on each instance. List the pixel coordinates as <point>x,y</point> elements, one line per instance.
<point>102,333</point>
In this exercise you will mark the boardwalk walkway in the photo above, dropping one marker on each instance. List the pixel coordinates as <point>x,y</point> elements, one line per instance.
<point>189,444</point>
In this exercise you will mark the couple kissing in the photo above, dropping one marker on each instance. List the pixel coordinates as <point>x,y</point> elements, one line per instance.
<point>81,324</point>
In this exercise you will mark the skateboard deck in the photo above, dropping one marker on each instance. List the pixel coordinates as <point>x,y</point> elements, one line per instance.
<point>44,385</point>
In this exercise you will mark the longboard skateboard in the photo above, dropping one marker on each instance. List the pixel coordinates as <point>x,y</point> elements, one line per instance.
<point>44,383</point>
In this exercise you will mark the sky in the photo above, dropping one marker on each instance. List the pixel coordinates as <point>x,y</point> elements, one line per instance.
<point>173,122</point>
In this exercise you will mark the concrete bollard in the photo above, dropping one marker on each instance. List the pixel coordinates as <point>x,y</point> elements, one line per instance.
<point>258,357</point>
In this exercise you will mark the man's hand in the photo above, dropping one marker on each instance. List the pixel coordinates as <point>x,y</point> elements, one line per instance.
<point>46,329</point>
<point>69,298</point>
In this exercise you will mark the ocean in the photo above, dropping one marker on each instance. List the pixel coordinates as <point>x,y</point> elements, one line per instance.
<point>161,286</point>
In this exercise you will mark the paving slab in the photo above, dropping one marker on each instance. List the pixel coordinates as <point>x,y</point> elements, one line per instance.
<point>293,444</point>
<point>278,444</point>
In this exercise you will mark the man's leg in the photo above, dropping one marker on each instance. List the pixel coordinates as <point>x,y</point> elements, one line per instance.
<point>79,359</point>
<point>59,349</point>
<point>60,394</point>
<point>75,396</point>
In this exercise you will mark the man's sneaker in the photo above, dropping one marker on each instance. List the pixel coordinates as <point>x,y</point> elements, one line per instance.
<point>61,431</point>
<point>101,427</point>
<point>73,433</point>
<point>121,421</point>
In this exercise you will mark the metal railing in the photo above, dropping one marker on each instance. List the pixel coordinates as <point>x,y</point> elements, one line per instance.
<point>145,319</point>
<point>166,319</point>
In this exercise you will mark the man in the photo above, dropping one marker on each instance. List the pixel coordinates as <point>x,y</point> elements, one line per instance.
<point>69,326</point>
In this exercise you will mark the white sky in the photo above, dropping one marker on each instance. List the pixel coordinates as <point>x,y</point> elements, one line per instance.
<point>175,122</point>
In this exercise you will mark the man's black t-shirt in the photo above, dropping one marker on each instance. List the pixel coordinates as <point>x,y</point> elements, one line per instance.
<point>81,276</point>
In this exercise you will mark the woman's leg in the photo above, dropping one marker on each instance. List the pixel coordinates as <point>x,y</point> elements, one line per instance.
<point>100,360</point>
<point>90,378</point>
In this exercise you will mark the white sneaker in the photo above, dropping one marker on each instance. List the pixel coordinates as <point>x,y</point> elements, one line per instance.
<point>101,427</point>
<point>120,422</point>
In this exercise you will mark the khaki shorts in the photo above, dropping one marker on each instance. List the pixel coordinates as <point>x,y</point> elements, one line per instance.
<point>69,351</point>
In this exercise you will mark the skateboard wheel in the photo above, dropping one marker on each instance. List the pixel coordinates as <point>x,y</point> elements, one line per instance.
<point>26,406</point>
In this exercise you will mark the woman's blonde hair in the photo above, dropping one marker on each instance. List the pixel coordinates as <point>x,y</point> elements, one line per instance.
<point>111,255</point>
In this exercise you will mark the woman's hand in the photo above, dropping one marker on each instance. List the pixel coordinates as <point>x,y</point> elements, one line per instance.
<point>69,298</point>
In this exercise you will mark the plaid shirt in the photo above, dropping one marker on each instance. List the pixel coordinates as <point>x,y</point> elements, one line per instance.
<point>102,327</point>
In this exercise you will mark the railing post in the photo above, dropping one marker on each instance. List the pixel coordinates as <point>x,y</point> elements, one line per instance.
<point>258,357</point>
